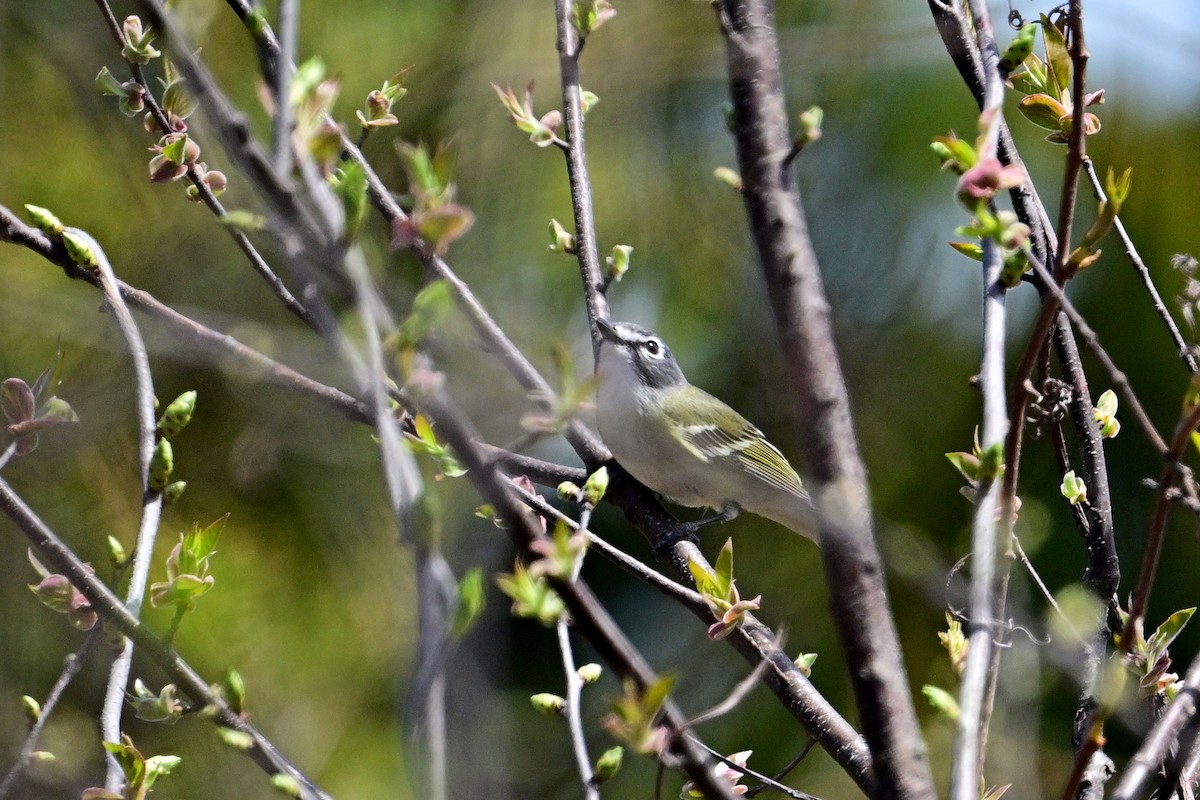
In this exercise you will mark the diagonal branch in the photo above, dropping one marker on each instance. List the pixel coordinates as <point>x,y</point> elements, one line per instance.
<point>102,599</point>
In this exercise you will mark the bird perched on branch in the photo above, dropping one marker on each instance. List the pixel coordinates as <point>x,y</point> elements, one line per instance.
<point>684,443</point>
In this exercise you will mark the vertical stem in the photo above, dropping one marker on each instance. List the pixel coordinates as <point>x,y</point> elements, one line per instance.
<point>993,517</point>
<point>281,134</point>
<point>853,566</point>
<point>569,47</point>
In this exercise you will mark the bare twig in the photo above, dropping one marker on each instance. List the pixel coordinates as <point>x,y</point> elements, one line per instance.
<point>732,700</point>
<point>56,554</point>
<point>992,524</point>
<point>1181,346</point>
<point>114,697</point>
<point>281,134</point>
<point>253,362</point>
<point>575,687</point>
<point>781,774</point>
<point>569,47</point>
<point>71,666</point>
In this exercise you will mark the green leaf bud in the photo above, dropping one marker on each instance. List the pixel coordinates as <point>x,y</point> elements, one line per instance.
<point>173,491</point>
<point>45,221</point>
<point>618,262</point>
<point>286,784</point>
<point>590,673</point>
<point>32,708</point>
<point>177,415</point>
<point>548,703</point>
<point>162,463</point>
<point>608,764</point>
<point>595,487</point>
<point>238,740</point>
<point>116,553</point>
<point>80,251</point>
<point>1073,488</point>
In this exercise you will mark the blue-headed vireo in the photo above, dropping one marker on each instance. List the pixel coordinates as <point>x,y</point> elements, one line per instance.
<point>684,443</point>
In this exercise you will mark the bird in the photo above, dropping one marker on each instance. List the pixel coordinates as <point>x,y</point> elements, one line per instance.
<point>682,442</point>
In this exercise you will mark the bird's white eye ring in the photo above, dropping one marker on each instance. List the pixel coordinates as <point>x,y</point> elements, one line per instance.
<point>653,348</point>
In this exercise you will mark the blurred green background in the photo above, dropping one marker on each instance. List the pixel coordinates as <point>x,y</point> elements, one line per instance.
<point>314,602</point>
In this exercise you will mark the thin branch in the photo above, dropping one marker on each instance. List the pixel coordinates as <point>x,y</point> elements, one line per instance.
<point>992,525</point>
<point>204,193</point>
<point>1076,144</point>
<point>781,774</point>
<point>267,46</point>
<point>253,363</point>
<point>102,599</point>
<point>685,596</point>
<point>570,44</point>
<point>764,780</point>
<point>590,617</point>
<point>575,688</point>
<point>732,700</point>
<point>1181,345</point>
<point>281,134</point>
<point>114,697</point>
<point>1143,768</point>
<point>71,666</point>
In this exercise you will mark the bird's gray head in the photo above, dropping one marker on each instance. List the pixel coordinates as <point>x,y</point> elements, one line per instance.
<point>646,354</point>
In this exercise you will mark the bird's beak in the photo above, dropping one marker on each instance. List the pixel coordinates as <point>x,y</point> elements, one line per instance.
<point>607,331</point>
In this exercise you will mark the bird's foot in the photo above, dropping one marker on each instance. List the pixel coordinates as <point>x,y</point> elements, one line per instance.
<point>687,530</point>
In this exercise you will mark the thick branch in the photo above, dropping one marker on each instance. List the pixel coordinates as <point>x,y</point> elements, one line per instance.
<point>853,567</point>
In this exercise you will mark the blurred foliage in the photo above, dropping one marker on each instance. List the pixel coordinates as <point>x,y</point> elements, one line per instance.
<point>313,603</point>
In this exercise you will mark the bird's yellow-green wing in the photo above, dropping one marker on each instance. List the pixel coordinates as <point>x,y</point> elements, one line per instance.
<point>727,434</point>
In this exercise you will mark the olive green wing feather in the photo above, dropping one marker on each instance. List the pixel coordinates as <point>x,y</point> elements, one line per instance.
<point>730,436</point>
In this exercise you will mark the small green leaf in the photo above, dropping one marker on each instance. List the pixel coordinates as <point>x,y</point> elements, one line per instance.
<point>469,602</point>
<point>971,250</point>
<point>1057,57</point>
<point>1073,488</point>
<point>1161,639</point>
<point>349,184</point>
<point>941,701</point>
<point>724,565</point>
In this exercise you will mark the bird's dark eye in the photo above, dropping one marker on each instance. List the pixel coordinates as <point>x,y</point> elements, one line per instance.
<point>653,347</point>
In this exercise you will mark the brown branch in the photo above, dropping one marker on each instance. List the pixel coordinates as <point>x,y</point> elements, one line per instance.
<point>570,45</point>
<point>12,229</point>
<point>1076,144</point>
<point>853,567</point>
